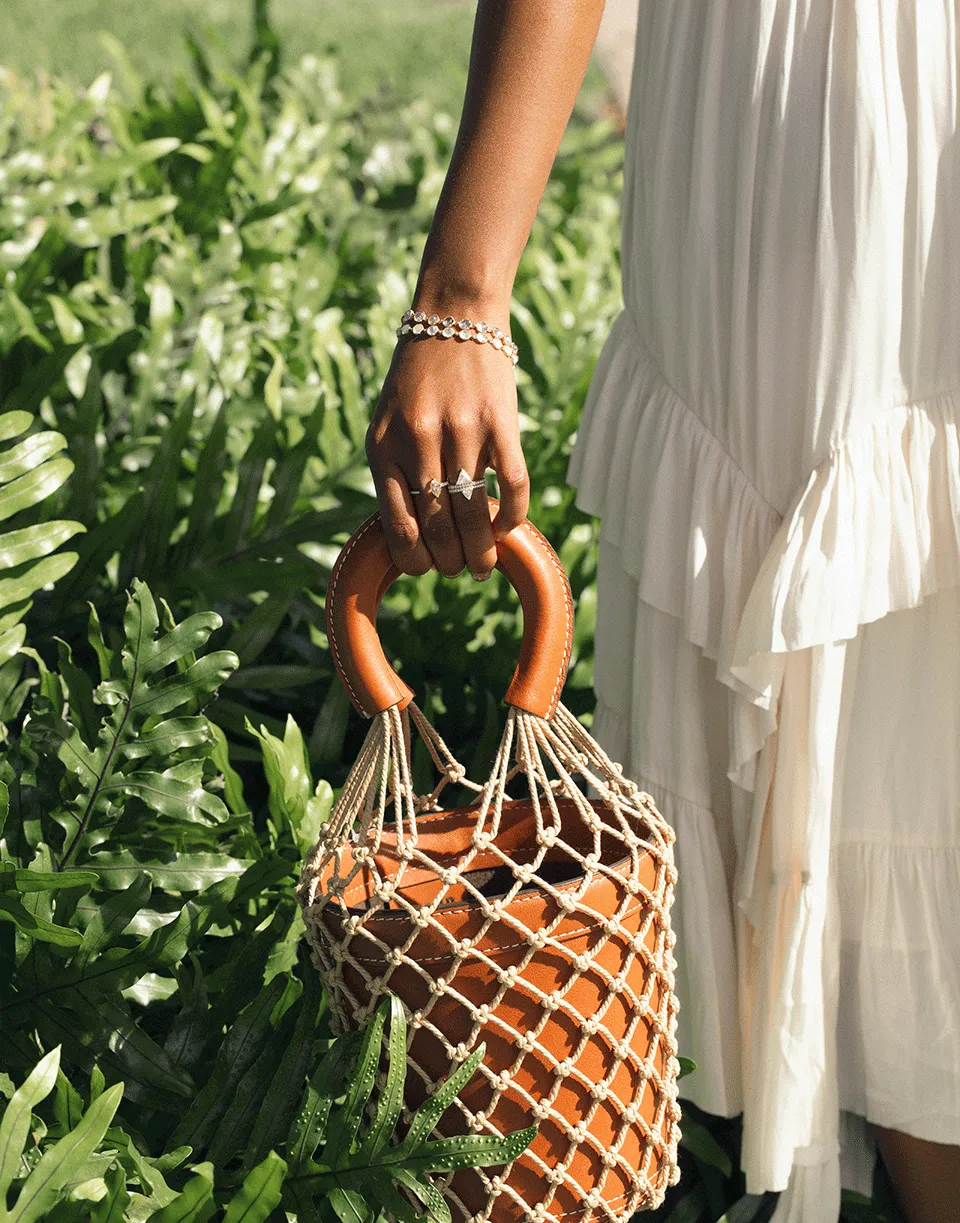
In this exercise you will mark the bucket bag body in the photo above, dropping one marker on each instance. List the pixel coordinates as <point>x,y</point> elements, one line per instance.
<point>538,924</point>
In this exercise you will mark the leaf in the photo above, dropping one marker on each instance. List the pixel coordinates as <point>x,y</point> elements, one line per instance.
<point>156,1190</point>
<point>112,918</point>
<point>391,1098</point>
<point>260,627</point>
<point>112,1208</point>
<point>25,319</point>
<point>469,1151</point>
<point>168,737</point>
<point>235,1130</point>
<point>63,1161</point>
<point>142,1058</point>
<point>29,454</point>
<point>285,1091</point>
<point>13,910</point>
<point>194,1203</point>
<point>29,543</point>
<point>44,573</point>
<point>260,1193</point>
<point>271,388</point>
<point>197,683</point>
<point>44,881</point>
<point>349,1205</point>
<point>426,1191</point>
<point>160,493</point>
<point>95,638</point>
<point>288,773</point>
<point>432,1109</point>
<point>358,1093</point>
<point>190,1029</point>
<point>310,1124</point>
<point>139,700</point>
<point>67,1103</point>
<point>232,784</point>
<point>186,872</point>
<point>13,423</point>
<point>168,795</point>
<point>392,1202</point>
<point>40,378</point>
<point>250,472</point>
<point>698,1140</point>
<point>690,1208</point>
<point>33,487</point>
<point>206,489</point>
<point>237,1053</point>
<point>79,693</point>
<point>69,326</point>
<point>15,1125</point>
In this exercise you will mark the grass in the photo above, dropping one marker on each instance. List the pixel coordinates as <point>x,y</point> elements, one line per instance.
<point>416,49</point>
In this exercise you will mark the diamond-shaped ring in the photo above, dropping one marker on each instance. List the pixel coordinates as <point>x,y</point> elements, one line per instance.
<point>463,484</point>
<point>433,487</point>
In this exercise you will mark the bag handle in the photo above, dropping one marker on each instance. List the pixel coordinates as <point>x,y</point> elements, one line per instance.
<point>365,571</point>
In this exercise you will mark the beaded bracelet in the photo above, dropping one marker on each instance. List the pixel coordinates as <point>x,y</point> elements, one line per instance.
<point>416,322</point>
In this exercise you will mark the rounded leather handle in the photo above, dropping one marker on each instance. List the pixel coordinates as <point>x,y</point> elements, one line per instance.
<point>364,573</point>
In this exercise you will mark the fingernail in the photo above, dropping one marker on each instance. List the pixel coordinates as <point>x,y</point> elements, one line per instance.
<point>481,577</point>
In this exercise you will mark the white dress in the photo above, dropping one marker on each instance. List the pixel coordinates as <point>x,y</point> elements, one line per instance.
<point>771,443</point>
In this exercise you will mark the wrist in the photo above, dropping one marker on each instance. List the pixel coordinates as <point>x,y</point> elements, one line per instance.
<point>472,296</point>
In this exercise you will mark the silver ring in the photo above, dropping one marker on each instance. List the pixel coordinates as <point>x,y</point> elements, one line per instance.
<point>463,484</point>
<point>434,488</point>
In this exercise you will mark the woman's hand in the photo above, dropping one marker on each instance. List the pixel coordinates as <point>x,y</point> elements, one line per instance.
<point>452,403</point>
<point>446,404</point>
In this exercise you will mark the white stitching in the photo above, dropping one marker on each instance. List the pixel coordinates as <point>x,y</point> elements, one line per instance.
<point>537,535</point>
<point>334,578</point>
<point>493,951</point>
<point>568,609</point>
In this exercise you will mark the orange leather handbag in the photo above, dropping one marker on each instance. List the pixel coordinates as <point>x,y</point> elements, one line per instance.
<point>539,924</point>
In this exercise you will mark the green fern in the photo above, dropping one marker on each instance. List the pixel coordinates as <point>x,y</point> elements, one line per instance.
<point>141,751</point>
<point>338,1161</point>
<point>356,1171</point>
<point>31,470</point>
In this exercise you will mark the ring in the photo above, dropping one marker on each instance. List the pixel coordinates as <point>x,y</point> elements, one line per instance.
<point>433,488</point>
<point>465,485</point>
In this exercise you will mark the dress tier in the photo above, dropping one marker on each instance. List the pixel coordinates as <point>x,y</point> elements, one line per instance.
<point>771,443</point>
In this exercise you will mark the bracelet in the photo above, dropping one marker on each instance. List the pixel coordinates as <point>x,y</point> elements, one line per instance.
<point>416,322</point>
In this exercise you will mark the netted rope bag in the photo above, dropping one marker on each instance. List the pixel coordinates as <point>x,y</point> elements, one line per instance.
<point>538,924</point>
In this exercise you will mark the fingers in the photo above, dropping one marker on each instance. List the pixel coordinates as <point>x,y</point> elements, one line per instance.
<point>507,460</point>
<point>411,444</point>
<point>401,527</point>
<point>471,514</point>
<point>435,514</point>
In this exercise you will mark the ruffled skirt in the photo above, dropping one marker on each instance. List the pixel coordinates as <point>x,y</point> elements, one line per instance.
<point>771,443</point>
<point>788,690</point>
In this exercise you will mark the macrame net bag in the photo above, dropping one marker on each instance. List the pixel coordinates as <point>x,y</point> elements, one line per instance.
<point>539,924</point>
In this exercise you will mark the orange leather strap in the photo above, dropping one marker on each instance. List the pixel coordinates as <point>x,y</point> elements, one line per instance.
<point>364,573</point>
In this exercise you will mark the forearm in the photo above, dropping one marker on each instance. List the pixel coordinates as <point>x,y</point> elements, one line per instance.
<point>526,67</point>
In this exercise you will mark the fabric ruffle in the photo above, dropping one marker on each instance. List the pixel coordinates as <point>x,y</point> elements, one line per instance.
<point>900,941</point>
<point>876,530</point>
<point>769,598</point>
<point>690,527</point>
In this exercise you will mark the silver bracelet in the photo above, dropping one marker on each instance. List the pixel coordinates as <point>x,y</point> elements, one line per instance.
<point>416,322</point>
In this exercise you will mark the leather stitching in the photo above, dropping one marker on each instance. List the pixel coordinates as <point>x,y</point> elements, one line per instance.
<point>568,609</point>
<point>547,548</point>
<point>381,918</point>
<point>331,596</point>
